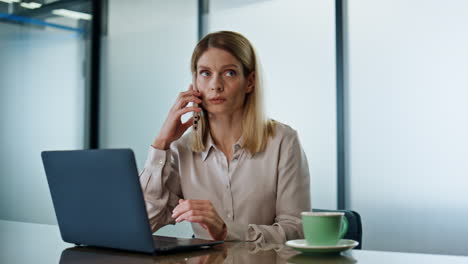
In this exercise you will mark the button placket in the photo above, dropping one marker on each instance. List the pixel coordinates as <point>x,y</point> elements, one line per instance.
<point>232,168</point>
<point>235,161</point>
<point>228,204</point>
<point>228,194</point>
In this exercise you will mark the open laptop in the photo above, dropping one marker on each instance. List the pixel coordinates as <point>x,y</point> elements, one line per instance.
<point>98,201</point>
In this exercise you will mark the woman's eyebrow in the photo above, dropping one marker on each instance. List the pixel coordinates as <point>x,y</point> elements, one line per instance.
<point>224,66</point>
<point>229,65</point>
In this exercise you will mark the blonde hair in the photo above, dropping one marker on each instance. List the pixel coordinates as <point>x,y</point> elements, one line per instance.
<point>256,129</point>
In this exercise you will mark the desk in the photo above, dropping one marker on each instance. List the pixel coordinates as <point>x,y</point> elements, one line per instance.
<point>37,244</point>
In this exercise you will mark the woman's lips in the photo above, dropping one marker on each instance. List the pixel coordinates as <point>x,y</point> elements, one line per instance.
<point>217,100</point>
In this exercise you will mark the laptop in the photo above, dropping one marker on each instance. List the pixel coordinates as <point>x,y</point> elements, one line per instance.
<point>98,201</point>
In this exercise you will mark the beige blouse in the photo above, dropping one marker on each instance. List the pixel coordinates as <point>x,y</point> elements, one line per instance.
<point>259,197</point>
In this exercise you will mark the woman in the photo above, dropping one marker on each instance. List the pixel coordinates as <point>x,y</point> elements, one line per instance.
<point>236,175</point>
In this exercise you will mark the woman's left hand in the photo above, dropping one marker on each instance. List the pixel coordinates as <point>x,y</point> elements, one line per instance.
<point>202,212</point>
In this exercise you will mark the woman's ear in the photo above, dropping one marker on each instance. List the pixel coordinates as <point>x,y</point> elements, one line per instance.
<point>250,82</point>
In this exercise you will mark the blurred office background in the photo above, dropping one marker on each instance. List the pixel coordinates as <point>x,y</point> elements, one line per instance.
<point>376,89</point>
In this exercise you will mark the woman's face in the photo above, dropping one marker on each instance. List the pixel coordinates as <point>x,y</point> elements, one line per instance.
<point>221,82</point>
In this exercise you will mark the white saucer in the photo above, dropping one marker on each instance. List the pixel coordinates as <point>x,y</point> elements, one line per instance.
<point>301,245</point>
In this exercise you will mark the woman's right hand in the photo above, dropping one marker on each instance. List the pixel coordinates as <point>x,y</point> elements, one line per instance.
<point>173,128</point>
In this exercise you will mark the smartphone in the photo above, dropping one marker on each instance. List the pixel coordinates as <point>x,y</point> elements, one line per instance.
<point>196,115</point>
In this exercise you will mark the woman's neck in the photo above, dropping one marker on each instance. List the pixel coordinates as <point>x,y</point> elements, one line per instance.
<point>226,130</point>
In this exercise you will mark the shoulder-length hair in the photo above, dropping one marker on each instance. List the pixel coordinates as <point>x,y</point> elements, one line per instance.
<point>256,129</point>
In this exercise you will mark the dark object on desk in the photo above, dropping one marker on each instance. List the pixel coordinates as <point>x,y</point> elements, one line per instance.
<point>90,255</point>
<point>98,201</point>
<point>354,225</point>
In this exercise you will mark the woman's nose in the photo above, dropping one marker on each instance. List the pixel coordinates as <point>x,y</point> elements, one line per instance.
<point>217,84</point>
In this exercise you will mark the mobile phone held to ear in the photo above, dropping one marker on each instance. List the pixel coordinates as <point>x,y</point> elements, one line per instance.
<point>196,115</point>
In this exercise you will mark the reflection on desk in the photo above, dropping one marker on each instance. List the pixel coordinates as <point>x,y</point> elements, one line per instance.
<point>229,252</point>
<point>38,244</point>
<point>331,259</point>
<point>90,255</point>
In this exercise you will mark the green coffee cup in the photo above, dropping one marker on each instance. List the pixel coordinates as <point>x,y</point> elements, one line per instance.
<point>324,228</point>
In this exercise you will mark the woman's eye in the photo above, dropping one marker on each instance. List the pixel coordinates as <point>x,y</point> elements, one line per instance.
<point>231,73</point>
<point>204,73</point>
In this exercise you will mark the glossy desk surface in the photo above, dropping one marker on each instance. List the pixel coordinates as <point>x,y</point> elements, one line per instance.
<point>35,243</point>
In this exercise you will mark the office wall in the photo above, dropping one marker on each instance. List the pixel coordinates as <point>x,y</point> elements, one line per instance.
<point>146,63</point>
<point>41,108</point>
<point>296,44</point>
<point>406,103</point>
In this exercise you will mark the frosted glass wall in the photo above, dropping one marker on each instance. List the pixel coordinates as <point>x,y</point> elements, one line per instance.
<point>42,107</point>
<point>296,44</point>
<point>407,103</point>
<point>146,63</point>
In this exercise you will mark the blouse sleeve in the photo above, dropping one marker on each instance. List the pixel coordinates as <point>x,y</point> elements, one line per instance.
<point>161,186</point>
<point>293,196</point>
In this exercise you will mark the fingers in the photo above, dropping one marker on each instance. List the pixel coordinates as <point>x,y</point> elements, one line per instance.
<point>215,226</point>
<point>184,100</point>
<point>203,213</point>
<point>191,91</point>
<point>188,123</point>
<point>188,96</point>
<point>207,217</point>
<point>185,110</point>
<point>188,205</point>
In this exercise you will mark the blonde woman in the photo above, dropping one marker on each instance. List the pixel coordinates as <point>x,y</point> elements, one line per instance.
<point>235,175</point>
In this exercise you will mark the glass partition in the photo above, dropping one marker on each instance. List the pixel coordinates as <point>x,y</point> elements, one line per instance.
<point>44,69</point>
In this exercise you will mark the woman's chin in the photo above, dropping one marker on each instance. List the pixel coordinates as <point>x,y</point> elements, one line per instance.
<point>217,109</point>
<point>216,112</point>
<point>219,112</point>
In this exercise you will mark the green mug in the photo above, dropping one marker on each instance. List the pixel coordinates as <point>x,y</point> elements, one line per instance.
<point>324,228</point>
